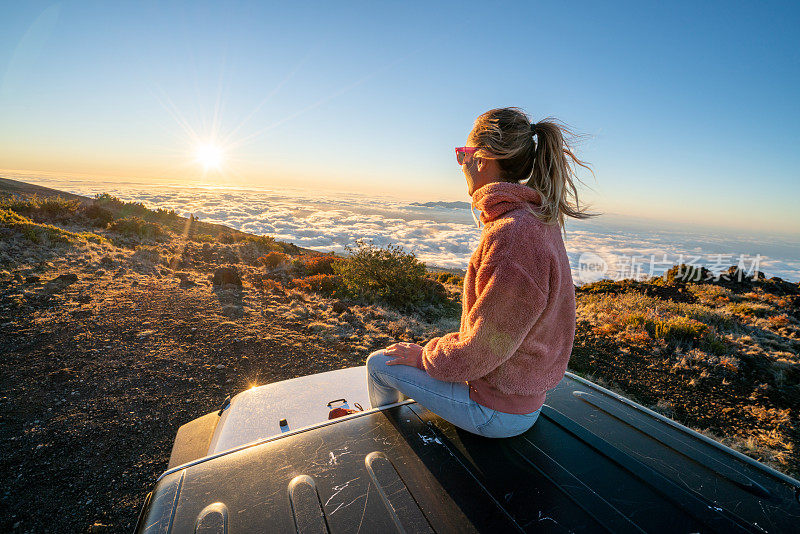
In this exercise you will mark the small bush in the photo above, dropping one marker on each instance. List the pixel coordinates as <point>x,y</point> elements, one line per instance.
<point>264,241</point>
<point>377,274</point>
<point>750,309</point>
<point>92,238</point>
<point>678,329</point>
<point>311,265</point>
<point>57,207</point>
<point>672,329</point>
<point>606,329</point>
<point>327,284</point>
<point>167,215</point>
<point>261,243</point>
<point>271,286</point>
<point>777,321</point>
<point>450,278</point>
<point>435,293</point>
<point>43,233</point>
<point>635,336</point>
<point>99,215</point>
<point>637,320</point>
<point>42,208</point>
<point>124,209</point>
<point>714,344</point>
<point>203,238</point>
<point>135,226</point>
<point>272,259</point>
<point>263,282</point>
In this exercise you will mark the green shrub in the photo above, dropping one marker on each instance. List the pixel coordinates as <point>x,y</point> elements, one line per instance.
<point>262,243</point>
<point>135,226</point>
<point>604,287</point>
<point>671,329</point>
<point>110,202</point>
<point>91,237</point>
<point>435,293</point>
<point>678,329</point>
<point>43,233</point>
<point>203,238</point>
<point>714,344</point>
<point>751,309</point>
<point>99,215</point>
<point>389,275</point>
<point>124,209</point>
<point>42,208</point>
<point>449,278</point>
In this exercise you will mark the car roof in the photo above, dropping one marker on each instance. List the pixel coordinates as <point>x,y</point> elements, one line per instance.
<point>592,462</point>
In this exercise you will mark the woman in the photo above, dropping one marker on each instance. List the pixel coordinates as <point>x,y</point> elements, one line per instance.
<point>518,305</point>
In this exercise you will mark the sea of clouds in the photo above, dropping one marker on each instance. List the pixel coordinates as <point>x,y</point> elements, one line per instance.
<point>444,234</point>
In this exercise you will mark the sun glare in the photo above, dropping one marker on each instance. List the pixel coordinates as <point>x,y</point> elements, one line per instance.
<point>209,156</point>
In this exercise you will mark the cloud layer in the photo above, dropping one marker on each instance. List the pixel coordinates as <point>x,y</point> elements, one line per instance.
<point>444,234</point>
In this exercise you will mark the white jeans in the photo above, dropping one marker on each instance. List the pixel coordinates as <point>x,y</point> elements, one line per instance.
<point>388,384</point>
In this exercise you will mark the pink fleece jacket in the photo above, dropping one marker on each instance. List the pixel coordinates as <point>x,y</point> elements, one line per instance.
<point>518,307</point>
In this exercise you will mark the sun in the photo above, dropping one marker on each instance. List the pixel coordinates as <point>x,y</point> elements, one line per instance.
<point>209,156</point>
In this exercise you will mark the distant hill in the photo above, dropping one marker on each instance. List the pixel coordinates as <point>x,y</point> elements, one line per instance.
<point>441,204</point>
<point>10,187</point>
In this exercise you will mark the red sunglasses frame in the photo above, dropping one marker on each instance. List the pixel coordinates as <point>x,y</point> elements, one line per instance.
<point>464,150</point>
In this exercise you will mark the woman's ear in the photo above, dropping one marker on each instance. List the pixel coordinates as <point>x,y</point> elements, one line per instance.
<point>481,164</point>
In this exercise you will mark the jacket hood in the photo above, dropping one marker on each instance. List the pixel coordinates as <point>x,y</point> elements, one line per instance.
<point>498,198</point>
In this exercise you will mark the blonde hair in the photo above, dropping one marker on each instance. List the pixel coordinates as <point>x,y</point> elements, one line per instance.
<point>506,134</point>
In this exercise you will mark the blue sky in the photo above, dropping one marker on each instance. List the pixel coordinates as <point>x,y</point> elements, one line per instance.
<point>689,112</point>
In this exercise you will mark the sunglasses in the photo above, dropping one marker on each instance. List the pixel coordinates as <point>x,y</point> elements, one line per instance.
<point>462,151</point>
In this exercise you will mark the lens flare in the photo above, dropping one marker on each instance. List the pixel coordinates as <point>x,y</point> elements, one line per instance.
<point>209,156</point>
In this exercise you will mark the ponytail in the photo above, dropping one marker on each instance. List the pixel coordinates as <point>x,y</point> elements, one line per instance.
<point>553,174</point>
<point>507,135</point>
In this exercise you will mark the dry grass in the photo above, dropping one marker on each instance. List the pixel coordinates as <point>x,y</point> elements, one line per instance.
<point>44,234</point>
<point>723,358</point>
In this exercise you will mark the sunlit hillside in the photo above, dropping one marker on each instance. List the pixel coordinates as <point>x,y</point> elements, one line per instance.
<point>721,357</point>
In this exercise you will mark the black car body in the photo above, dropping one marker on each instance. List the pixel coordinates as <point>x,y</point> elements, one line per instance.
<point>593,462</point>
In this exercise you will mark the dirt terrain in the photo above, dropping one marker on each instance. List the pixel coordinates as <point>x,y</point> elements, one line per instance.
<point>114,335</point>
<point>98,376</point>
<point>105,351</point>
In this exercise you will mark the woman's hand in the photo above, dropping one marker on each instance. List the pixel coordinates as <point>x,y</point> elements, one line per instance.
<point>404,353</point>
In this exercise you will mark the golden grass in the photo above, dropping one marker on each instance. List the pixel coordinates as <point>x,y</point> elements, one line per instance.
<point>45,233</point>
<point>636,319</point>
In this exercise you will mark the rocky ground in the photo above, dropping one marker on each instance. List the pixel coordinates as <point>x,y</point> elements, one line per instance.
<point>105,354</point>
<point>719,356</point>
<point>110,341</point>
